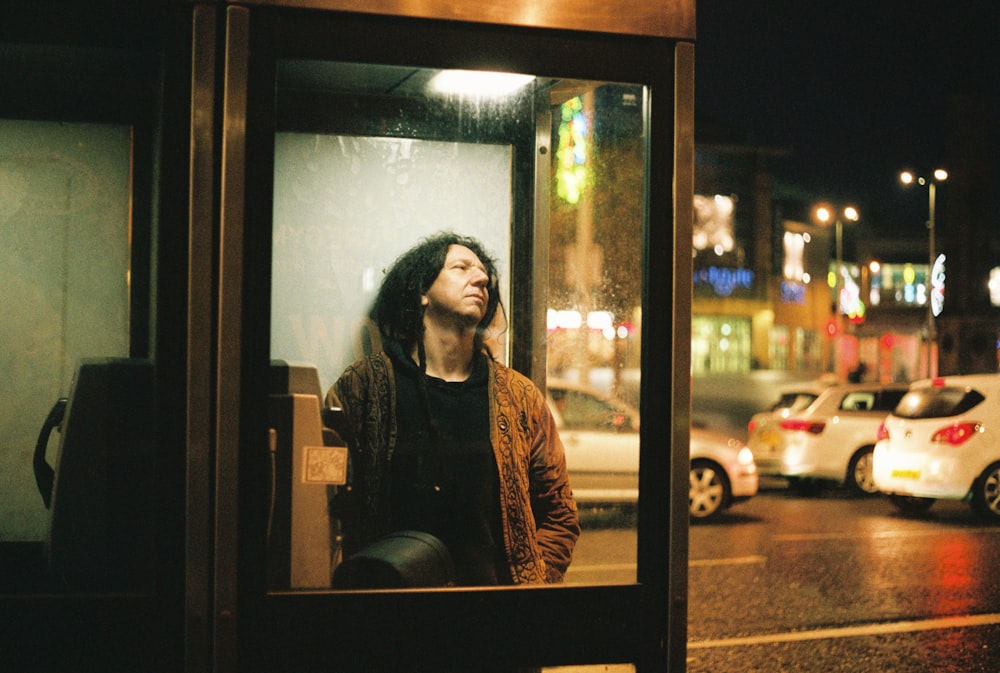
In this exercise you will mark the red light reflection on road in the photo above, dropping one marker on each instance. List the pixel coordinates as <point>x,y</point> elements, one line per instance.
<point>958,576</point>
<point>955,576</point>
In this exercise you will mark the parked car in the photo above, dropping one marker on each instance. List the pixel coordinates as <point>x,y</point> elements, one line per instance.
<point>601,437</point>
<point>725,402</point>
<point>829,441</point>
<point>791,399</point>
<point>942,442</point>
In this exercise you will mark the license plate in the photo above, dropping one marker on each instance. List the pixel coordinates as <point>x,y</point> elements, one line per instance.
<point>906,474</point>
<point>769,439</point>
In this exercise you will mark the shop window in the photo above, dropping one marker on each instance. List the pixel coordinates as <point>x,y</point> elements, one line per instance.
<point>778,347</point>
<point>720,344</point>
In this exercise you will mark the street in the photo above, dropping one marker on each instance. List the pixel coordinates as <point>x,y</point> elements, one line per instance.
<point>829,583</point>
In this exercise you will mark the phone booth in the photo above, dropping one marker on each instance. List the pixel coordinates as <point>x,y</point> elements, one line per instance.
<point>200,201</point>
<point>347,136</point>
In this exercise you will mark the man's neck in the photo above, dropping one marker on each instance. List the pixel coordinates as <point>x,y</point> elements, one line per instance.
<point>448,353</point>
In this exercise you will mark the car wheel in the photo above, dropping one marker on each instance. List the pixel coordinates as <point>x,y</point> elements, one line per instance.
<point>908,504</point>
<point>986,494</point>
<point>709,492</point>
<point>860,480</point>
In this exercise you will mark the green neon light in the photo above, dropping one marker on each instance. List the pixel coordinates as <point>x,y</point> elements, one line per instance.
<point>571,157</point>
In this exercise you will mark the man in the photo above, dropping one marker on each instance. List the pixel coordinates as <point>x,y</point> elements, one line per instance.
<point>444,439</point>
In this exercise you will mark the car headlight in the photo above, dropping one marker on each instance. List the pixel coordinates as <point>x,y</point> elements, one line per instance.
<point>745,456</point>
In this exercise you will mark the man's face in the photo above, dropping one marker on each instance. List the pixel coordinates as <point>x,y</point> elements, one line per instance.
<point>460,291</point>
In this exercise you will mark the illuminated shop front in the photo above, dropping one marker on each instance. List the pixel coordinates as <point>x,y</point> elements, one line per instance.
<point>721,327</point>
<point>830,320</point>
<point>902,299</point>
<point>726,293</point>
<point>720,344</point>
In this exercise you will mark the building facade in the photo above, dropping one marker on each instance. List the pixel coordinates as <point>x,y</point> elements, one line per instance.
<point>776,288</point>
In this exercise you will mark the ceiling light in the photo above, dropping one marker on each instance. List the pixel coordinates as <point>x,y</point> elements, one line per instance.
<point>478,82</point>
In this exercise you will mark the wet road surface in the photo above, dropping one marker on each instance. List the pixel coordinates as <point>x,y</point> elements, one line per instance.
<point>791,584</point>
<point>836,583</point>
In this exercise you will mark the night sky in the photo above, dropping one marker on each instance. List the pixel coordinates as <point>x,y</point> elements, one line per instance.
<point>856,90</point>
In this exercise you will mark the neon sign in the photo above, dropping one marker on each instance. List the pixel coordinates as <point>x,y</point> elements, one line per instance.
<point>792,292</point>
<point>724,280</point>
<point>937,286</point>
<point>851,304</point>
<point>572,153</point>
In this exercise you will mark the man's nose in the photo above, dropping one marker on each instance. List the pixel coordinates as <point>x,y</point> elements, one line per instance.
<point>480,277</point>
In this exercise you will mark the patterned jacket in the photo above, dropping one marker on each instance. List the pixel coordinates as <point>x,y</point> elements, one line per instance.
<point>539,516</point>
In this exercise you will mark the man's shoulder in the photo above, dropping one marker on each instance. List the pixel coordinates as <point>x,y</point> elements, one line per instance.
<point>369,366</point>
<point>514,380</point>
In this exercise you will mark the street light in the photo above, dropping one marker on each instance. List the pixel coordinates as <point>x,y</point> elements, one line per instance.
<point>826,214</point>
<point>908,178</point>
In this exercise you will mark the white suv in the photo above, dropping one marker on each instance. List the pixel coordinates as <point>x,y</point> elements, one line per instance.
<point>943,442</point>
<point>828,442</point>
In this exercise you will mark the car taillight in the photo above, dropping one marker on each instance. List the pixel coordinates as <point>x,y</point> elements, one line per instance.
<point>799,425</point>
<point>751,426</point>
<point>883,432</point>
<point>957,433</point>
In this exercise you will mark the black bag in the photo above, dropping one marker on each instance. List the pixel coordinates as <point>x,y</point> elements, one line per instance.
<point>404,559</point>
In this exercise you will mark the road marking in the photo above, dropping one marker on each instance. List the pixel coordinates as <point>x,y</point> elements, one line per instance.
<point>739,560</point>
<point>851,631</point>
<point>602,567</point>
<point>804,537</point>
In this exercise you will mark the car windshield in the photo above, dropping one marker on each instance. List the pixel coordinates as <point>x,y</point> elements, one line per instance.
<point>794,401</point>
<point>583,411</point>
<point>872,400</point>
<point>937,402</point>
<point>887,400</point>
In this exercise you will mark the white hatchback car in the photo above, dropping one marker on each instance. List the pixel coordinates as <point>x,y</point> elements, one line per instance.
<point>830,441</point>
<point>601,438</point>
<point>943,443</point>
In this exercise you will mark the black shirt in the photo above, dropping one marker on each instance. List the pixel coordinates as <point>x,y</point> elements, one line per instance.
<point>443,473</point>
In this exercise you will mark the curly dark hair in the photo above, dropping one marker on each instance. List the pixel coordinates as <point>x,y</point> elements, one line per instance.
<point>398,310</point>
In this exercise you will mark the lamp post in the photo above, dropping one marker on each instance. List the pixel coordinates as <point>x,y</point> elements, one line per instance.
<point>826,214</point>
<point>908,178</point>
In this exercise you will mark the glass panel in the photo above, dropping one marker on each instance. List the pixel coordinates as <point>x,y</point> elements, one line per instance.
<point>594,317</point>
<point>369,162</point>
<point>345,207</point>
<point>72,461</point>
